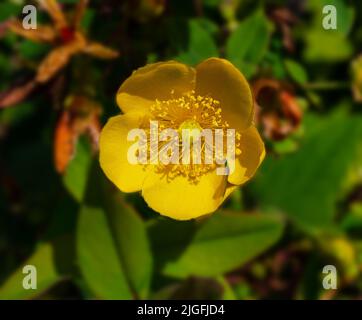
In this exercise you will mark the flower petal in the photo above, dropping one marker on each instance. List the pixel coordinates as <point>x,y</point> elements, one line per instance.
<point>114,149</point>
<point>222,81</point>
<point>230,188</point>
<point>182,200</point>
<point>162,81</point>
<point>252,155</point>
<point>129,103</point>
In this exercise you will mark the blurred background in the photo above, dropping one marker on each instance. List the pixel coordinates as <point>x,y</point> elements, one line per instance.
<point>270,240</point>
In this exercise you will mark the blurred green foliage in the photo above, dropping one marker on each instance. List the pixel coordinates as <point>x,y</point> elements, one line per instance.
<point>271,239</point>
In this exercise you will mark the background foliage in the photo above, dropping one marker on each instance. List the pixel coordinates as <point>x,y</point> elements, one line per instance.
<point>271,239</point>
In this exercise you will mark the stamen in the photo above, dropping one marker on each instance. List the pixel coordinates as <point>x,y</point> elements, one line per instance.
<point>191,113</point>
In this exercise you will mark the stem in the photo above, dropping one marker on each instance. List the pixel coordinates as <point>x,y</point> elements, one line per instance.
<point>327,85</point>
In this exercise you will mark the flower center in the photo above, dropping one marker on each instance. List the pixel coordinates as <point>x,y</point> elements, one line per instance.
<point>191,116</point>
<point>190,130</point>
<point>190,124</point>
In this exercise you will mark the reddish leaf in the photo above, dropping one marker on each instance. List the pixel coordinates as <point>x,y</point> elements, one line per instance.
<point>65,139</point>
<point>54,10</point>
<point>81,116</point>
<point>100,51</point>
<point>40,34</point>
<point>276,108</point>
<point>79,13</point>
<point>58,59</point>
<point>16,95</point>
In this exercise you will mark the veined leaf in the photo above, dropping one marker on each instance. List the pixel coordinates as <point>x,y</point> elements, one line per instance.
<point>224,242</point>
<point>112,246</point>
<point>200,43</point>
<point>247,45</point>
<point>307,185</point>
<point>77,171</point>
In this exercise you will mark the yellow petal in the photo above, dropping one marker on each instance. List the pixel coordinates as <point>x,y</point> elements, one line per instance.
<point>222,81</point>
<point>129,103</point>
<point>114,147</point>
<point>252,154</point>
<point>182,200</point>
<point>230,188</point>
<point>162,81</point>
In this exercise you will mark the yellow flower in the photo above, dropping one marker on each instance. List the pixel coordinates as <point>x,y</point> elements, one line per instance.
<point>214,95</point>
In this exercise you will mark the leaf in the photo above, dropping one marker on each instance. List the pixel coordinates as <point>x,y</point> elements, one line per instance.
<point>307,185</point>
<point>224,242</point>
<point>53,262</point>
<point>65,139</point>
<point>56,60</point>
<point>40,34</point>
<point>247,45</point>
<point>98,257</point>
<point>228,293</point>
<point>112,245</point>
<point>77,171</point>
<point>16,94</point>
<point>132,242</point>
<point>352,222</point>
<point>200,43</point>
<point>54,10</point>
<point>296,71</point>
<point>32,51</point>
<point>100,51</point>
<point>9,10</point>
<point>326,46</point>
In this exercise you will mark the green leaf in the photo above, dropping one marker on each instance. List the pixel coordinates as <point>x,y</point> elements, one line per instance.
<point>296,71</point>
<point>307,184</point>
<point>224,242</point>
<point>247,45</point>
<point>200,45</point>
<point>17,115</point>
<point>352,222</point>
<point>132,242</point>
<point>76,175</point>
<point>8,10</point>
<point>112,245</point>
<point>53,262</point>
<point>30,50</point>
<point>98,257</point>
<point>326,46</point>
<point>228,293</point>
